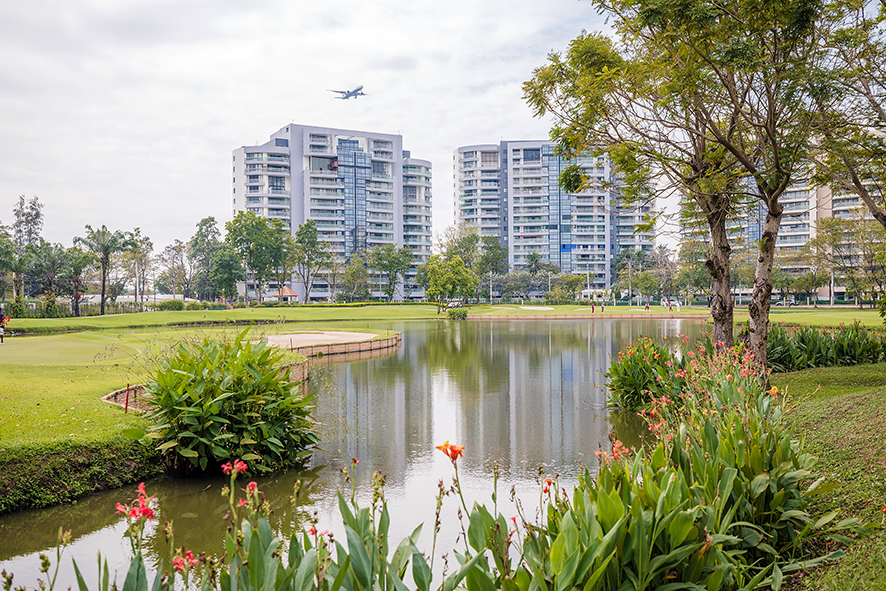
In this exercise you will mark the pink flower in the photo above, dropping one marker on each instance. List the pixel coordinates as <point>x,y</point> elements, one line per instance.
<point>179,563</point>
<point>242,503</point>
<point>252,486</point>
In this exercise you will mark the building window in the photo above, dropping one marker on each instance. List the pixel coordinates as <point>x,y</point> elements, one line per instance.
<point>281,142</point>
<point>277,182</point>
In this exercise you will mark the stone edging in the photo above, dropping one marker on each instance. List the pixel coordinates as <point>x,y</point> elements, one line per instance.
<point>132,397</point>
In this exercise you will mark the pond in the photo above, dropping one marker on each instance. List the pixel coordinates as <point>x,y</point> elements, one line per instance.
<point>526,395</point>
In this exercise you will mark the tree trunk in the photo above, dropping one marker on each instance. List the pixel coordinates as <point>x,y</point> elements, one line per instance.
<point>104,283</point>
<point>717,264</point>
<point>758,309</point>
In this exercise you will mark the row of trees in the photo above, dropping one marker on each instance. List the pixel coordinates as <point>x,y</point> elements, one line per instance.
<point>727,103</point>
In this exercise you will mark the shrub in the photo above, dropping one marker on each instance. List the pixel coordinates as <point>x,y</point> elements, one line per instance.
<point>194,306</point>
<point>171,305</point>
<point>643,371</point>
<point>215,401</point>
<point>457,314</point>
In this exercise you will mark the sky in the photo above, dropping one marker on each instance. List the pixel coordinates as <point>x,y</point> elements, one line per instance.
<point>125,112</point>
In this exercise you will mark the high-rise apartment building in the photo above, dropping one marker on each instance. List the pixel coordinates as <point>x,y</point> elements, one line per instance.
<point>510,190</point>
<point>360,188</point>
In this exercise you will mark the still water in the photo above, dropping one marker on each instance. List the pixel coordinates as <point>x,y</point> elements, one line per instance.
<point>527,395</point>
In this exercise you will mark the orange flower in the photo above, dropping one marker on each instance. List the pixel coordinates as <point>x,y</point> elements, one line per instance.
<point>453,452</point>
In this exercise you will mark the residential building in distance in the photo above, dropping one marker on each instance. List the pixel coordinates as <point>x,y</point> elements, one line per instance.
<point>511,190</point>
<point>360,188</point>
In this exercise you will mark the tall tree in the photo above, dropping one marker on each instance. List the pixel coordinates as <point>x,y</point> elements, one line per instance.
<point>742,70</point>
<point>202,248</point>
<point>103,243</point>
<point>493,261</point>
<point>355,280</point>
<point>226,272</point>
<point>444,279</point>
<point>28,222</point>
<point>178,271</point>
<point>48,262</point>
<point>462,241</point>
<point>26,232</point>
<point>139,261</point>
<point>310,255</point>
<point>393,263</point>
<point>850,103</point>
<point>77,263</point>
<point>637,102</point>
<point>253,239</point>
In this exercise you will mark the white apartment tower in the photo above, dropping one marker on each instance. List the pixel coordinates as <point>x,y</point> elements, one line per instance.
<point>511,190</point>
<point>361,188</point>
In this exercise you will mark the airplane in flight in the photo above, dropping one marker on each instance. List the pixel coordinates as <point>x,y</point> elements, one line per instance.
<point>346,94</point>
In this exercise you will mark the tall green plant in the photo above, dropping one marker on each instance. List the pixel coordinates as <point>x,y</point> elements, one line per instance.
<point>219,400</point>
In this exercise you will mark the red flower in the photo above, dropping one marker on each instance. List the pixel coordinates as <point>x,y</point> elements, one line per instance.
<point>241,503</point>
<point>179,563</point>
<point>453,452</point>
<point>312,531</point>
<point>239,467</point>
<point>252,486</point>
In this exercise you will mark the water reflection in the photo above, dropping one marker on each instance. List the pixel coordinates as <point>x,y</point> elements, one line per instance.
<point>524,394</point>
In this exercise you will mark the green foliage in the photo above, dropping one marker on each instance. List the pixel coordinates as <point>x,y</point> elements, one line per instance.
<point>392,262</point>
<point>193,305</point>
<point>171,306</point>
<point>805,347</point>
<point>457,314</point>
<point>45,474</point>
<point>217,401</point>
<point>446,279</point>
<point>309,255</point>
<point>643,371</point>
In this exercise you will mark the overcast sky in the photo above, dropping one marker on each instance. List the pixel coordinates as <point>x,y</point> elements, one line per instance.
<point>125,112</point>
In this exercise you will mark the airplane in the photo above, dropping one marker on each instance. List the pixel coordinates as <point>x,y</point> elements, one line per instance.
<point>346,94</point>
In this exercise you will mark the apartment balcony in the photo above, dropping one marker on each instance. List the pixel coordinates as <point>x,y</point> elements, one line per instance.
<point>267,158</point>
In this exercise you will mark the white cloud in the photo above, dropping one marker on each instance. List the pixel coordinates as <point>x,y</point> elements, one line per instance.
<point>125,113</point>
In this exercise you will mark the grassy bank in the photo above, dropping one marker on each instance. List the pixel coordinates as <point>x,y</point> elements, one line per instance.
<point>841,412</point>
<point>58,440</point>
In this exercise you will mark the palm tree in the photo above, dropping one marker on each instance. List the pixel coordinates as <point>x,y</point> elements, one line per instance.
<point>78,261</point>
<point>103,243</point>
<point>534,262</point>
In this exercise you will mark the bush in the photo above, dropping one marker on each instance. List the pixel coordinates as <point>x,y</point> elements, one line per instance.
<point>643,371</point>
<point>216,401</point>
<point>796,348</point>
<point>194,306</point>
<point>171,305</point>
<point>457,313</point>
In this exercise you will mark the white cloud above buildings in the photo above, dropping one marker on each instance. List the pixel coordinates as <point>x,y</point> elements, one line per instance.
<point>125,113</point>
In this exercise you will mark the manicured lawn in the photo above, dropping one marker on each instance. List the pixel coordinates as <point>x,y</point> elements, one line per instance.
<point>244,315</point>
<point>841,412</point>
<point>819,316</point>
<point>51,385</point>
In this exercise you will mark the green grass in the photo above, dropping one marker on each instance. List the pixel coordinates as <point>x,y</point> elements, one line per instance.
<point>240,316</point>
<point>819,316</point>
<point>298,314</point>
<point>841,413</point>
<point>50,386</point>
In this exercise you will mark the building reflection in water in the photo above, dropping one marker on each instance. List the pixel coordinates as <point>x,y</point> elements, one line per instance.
<point>524,394</point>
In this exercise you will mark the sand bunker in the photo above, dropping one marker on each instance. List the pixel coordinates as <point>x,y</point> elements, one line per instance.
<point>303,339</point>
<point>536,308</point>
